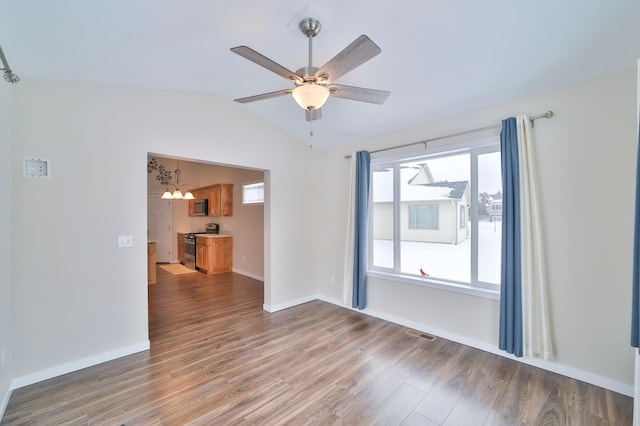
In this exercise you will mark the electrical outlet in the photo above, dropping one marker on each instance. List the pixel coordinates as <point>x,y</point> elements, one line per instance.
<point>125,241</point>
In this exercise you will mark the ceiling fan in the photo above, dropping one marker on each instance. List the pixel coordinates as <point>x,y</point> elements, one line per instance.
<point>313,86</point>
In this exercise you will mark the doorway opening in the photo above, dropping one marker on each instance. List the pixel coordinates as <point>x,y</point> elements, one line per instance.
<point>166,219</point>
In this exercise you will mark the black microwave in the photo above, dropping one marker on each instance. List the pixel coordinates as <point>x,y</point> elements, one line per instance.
<point>201,207</point>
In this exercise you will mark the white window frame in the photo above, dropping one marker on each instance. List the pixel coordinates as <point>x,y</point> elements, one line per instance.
<point>475,288</point>
<point>252,184</point>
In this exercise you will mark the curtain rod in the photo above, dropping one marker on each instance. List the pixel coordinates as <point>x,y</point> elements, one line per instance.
<point>547,114</point>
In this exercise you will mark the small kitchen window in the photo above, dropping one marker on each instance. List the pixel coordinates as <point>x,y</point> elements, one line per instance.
<point>253,193</point>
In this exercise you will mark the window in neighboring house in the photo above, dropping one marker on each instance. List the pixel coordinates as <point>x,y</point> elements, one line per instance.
<point>253,193</point>
<point>438,192</point>
<point>423,216</point>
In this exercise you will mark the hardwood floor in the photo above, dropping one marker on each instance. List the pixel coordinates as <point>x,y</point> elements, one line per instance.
<point>217,358</point>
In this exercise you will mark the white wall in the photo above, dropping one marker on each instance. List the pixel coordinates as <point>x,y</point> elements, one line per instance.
<point>6,166</point>
<point>584,154</point>
<point>78,298</point>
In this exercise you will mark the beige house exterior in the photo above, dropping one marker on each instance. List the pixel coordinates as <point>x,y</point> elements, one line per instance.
<point>434,212</point>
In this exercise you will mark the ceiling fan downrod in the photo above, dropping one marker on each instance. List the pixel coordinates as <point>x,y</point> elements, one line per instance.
<point>310,28</point>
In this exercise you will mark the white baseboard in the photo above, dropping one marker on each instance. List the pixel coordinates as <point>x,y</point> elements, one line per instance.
<point>248,274</point>
<point>69,367</point>
<point>574,373</point>
<point>280,307</point>
<point>5,402</point>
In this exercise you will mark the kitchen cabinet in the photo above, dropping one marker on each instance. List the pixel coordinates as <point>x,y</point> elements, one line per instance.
<point>219,198</point>
<point>181,247</point>
<point>151,262</point>
<point>214,255</point>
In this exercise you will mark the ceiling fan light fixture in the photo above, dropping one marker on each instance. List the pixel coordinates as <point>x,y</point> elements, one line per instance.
<point>310,95</point>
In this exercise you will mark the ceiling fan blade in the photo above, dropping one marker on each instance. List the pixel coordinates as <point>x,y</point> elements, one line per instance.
<point>357,53</point>
<point>358,93</point>
<point>316,114</point>
<point>264,96</point>
<point>263,61</point>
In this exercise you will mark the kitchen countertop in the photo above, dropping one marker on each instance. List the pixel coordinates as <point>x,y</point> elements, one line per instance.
<point>214,236</point>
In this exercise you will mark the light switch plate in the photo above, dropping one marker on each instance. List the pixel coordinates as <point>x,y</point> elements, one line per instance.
<point>125,241</point>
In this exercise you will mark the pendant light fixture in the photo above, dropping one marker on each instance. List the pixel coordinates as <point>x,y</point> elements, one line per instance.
<point>176,194</point>
<point>9,75</point>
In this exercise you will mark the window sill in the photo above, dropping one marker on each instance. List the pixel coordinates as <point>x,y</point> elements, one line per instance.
<point>467,289</point>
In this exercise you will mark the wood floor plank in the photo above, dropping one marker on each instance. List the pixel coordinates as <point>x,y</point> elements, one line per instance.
<point>453,381</point>
<point>397,407</point>
<point>415,419</point>
<point>525,394</point>
<point>217,358</point>
<point>489,377</point>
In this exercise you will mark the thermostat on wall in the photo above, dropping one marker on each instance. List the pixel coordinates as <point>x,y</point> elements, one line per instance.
<point>36,168</point>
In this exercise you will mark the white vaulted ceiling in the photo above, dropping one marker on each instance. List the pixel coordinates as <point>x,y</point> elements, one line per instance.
<point>439,57</point>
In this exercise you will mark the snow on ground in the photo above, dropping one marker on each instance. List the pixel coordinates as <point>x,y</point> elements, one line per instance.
<point>447,261</point>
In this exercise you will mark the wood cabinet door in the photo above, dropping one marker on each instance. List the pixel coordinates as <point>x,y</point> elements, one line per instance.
<point>214,200</point>
<point>226,199</point>
<point>181,248</point>
<point>202,255</point>
<point>151,263</point>
<point>221,255</point>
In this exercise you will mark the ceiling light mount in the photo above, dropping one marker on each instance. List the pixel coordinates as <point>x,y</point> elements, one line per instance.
<point>310,27</point>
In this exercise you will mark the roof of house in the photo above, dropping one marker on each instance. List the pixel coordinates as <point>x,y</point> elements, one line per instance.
<point>414,186</point>
<point>456,189</point>
<point>423,176</point>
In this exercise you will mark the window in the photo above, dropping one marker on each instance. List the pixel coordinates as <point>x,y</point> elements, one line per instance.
<point>435,219</point>
<point>253,193</point>
<point>423,216</point>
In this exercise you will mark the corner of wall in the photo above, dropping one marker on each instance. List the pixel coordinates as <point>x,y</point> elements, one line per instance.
<point>6,312</point>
